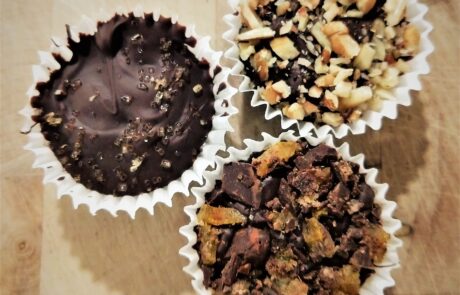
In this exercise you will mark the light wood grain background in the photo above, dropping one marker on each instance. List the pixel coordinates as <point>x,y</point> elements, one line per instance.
<point>47,247</point>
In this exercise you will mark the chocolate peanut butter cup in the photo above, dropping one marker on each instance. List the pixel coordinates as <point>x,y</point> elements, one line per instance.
<point>136,105</point>
<point>294,218</point>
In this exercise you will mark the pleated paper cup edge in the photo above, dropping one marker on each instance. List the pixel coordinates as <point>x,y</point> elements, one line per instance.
<point>375,284</point>
<point>66,186</point>
<point>409,82</point>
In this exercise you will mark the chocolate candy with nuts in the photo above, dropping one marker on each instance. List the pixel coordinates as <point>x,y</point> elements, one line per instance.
<point>294,219</point>
<point>326,61</point>
<point>130,111</point>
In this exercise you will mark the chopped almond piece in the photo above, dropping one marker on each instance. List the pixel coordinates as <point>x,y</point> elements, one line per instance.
<point>294,111</point>
<point>282,88</point>
<point>270,95</point>
<point>254,34</point>
<point>336,27</point>
<point>342,74</point>
<point>309,108</point>
<point>331,101</point>
<point>395,10</point>
<point>325,81</point>
<point>322,39</point>
<point>365,5</point>
<point>343,89</point>
<point>219,216</point>
<point>282,64</point>
<point>354,116</point>
<point>357,96</point>
<point>332,12</point>
<point>249,16</point>
<point>333,119</point>
<point>315,92</point>
<point>282,8</point>
<point>261,62</point>
<point>246,50</point>
<point>302,18</point>
<point>320,67</point>
<point>411,37</point>
<point>276,154</point>
<point>345,46</point>
<point>365,57</point>
<point>286,28</point>
<point>287,286</point>
<point>303,62</point>
<point>284,48</point>
<point>310,4</point>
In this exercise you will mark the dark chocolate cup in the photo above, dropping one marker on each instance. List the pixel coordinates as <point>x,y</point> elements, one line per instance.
<point>375,284</point>
<point>399,95</point>
<point>67,186</point>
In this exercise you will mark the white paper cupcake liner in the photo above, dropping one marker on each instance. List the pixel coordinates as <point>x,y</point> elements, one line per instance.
<point>375,284</point>
<point>400,95</point>
<point>67,186</point>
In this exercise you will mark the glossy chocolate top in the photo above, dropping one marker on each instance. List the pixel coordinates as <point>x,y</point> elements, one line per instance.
<point>131,110</point>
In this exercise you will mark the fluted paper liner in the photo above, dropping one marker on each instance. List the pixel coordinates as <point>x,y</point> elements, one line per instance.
<point>67,186</point>
<point>375,284</point>
<point>400,95</point>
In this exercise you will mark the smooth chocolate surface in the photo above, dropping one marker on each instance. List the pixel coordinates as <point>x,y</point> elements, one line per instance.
<point>131,110</point>
<point>290,223</point>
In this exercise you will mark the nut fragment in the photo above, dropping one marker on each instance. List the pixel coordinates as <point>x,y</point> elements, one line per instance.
<point>365,57</point>
<point>286,28</point>
<point>254,34</point>
<point>357,96</point>
<point>270,95</point>
<point>309,108</point>
<point>282,7</point>
<point>282,88</point>
<point>322,39</point>
<point>345,45</point>
<point>284,48</point>
<point>411,37</point>
<point>315,92</point>
<point>343,89</point>
<point>53,119</point>
<point>336,27</point>
<point>294,111</point>
<point>395,10</point>
<point>302,18</point>
<point>331,101</point>
<point>261,62</point>
<point>246,50</point>
<point>333,119</point>
<point>310,4</point>
<point>365,5</point>
<point>198,88</point>
<point>325,81</point>
<point>249,16</point>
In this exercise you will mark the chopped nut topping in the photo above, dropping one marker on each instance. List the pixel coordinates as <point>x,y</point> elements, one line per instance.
<point>345,46</point>
<point>282,88</point>
<point>294,111</point>
<point>284,48</point>
<point>198,88</point>
<point>246,50</point>
<point>334,45</point>
<point>254,34</point>
<point>135,164</point>
<point>53,119</point>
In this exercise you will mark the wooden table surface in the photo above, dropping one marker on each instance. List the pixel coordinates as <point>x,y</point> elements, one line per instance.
<point>47,247</point>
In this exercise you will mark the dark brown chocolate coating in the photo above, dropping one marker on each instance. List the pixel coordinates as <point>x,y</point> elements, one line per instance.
<point>131,110</point>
